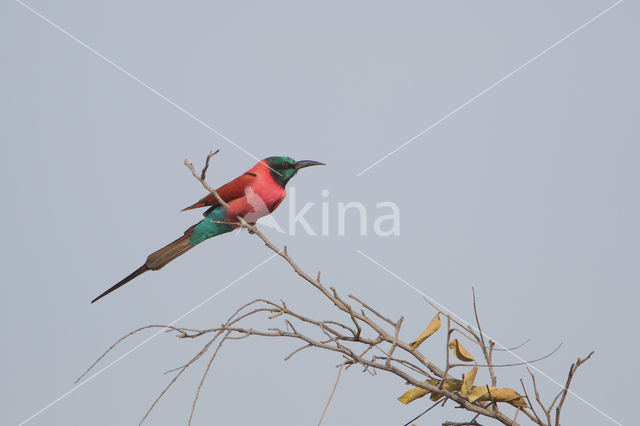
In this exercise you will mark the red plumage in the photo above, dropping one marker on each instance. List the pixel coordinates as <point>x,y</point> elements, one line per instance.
<point>228,192</point>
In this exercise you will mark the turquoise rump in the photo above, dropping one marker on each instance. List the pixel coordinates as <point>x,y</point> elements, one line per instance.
<point>212,226</point>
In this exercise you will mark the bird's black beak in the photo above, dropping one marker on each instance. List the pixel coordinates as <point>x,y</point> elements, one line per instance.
<point>306,163</point>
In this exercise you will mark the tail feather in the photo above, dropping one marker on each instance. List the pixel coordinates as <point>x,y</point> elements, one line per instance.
<point>156,260</point>
<point>141,270</point>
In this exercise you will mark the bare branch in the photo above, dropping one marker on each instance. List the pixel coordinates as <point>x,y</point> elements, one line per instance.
<point>395,340</point>
<point>352,335</point>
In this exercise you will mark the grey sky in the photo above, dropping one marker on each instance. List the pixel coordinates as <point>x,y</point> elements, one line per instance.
<point>529,194</point>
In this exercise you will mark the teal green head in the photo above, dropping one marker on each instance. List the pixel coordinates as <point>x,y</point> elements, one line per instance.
<point>284,168</point>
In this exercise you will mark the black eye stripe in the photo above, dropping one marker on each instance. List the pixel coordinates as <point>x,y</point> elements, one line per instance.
<point>284,165</point>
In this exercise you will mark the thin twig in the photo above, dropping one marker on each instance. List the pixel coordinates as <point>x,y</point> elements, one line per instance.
<point>204,375</point>
<point>395,340</point>
<point>526,395</point>
<point>447,351</point>
<point>423,413</point>
<point>537,394</point>
<point>203,175</point>
<point>572,371</point>
<point>485,351</point>
<point>333,391</point>
<point>513,364</point>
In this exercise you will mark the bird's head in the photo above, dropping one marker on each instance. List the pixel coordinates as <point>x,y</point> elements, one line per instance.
<point>284,168</point>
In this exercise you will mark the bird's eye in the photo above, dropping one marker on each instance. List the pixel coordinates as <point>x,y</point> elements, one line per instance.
<point>285,165</point>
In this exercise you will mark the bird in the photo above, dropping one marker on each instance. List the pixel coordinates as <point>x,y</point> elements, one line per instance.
<point>252,195</point>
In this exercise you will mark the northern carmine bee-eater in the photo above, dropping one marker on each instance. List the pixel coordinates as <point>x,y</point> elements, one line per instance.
<point>256,193</point>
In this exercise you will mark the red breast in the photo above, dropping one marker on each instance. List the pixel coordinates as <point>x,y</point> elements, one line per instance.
<point>261,197</point>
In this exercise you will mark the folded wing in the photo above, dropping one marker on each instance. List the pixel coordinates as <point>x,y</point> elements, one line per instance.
<point>228,192</point>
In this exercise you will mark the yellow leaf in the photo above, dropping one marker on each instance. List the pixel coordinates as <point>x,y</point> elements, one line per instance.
<point>415,393</point>
<point>433,326</point>
<point>467,381</point>
<point>480,393</point>
<point>412,395</point>
<point>461,353</point>
<point>508,395</point>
